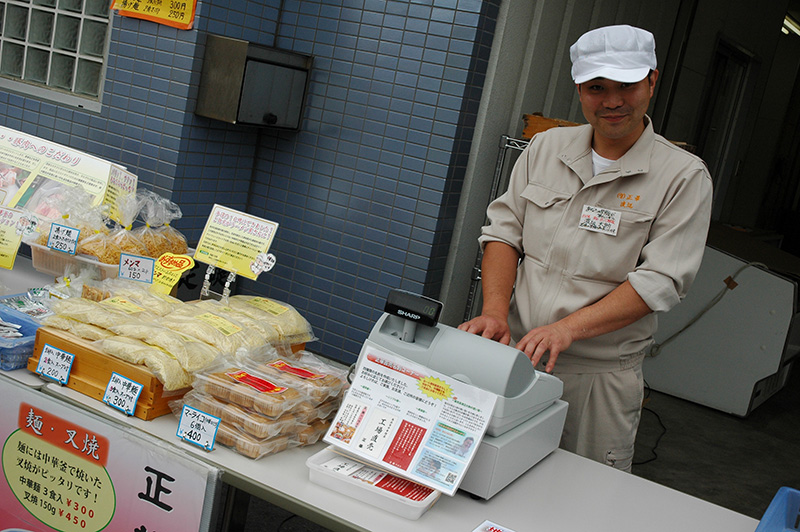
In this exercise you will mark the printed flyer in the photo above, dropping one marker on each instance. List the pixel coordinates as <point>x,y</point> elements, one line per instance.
<point>412,421</point>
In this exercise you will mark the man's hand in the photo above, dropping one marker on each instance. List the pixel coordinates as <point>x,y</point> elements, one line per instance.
<point>554,338</point>
<point>490,327</point>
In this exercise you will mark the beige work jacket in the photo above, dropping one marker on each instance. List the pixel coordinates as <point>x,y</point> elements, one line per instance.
<point>663,195</point>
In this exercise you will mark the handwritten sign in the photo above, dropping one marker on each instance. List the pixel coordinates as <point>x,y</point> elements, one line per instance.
<point>122,393</point>
<point>55,364</point>
<point>136,268</point>
<point>120,183</point>
<point>600,220</point>
<point>236,242</point>
<point>176,13</point>
<point>63,238</point>
<point>198,428</point>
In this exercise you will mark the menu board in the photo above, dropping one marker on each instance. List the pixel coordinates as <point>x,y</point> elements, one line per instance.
<point>411,420</point>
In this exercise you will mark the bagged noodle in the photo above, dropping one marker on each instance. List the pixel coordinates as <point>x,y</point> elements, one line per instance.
<point>138,293</point>
<point>292,327</point>
<point>220,331</point>
<point>157,235</point>
<point>192,354</point>
<point>78,328</point>
<point>165,367</point>
<point>268,333</point>
<point>128,207</point>
<point>105,314</point>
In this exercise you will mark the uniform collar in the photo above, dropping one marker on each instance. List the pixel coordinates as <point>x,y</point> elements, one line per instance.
<point>578,156</point>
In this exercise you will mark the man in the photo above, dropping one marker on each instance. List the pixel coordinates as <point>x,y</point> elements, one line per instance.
<point>602,225</point>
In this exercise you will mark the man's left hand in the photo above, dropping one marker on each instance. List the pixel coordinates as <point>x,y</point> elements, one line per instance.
<point>553,338</point>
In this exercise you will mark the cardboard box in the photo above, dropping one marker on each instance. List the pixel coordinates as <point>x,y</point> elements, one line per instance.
<point>92,369</point>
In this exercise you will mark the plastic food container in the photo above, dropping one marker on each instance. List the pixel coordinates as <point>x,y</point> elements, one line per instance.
<point>45,260</point>
<point>14,352</point>
<point>783,513</point>
<point>363,482</point>
<point>249,389</point>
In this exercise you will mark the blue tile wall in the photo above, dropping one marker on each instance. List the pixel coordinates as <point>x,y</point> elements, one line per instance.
<point>365,193</point>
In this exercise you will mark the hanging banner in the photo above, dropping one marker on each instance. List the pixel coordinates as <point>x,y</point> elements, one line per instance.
<point>67,470</point>
<point>176,13</point>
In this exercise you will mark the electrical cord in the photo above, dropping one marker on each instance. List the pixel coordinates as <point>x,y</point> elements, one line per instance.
<point>660,422</point>
<point>655,349</point>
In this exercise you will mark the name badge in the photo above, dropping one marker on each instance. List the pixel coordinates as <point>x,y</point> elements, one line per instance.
<point>600,220</point>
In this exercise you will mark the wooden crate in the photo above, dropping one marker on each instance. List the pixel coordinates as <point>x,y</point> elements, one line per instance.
<point>536,123</point>
<point>92,369</point>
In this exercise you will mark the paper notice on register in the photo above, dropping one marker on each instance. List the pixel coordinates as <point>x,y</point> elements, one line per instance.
<point>488,526</point>
<point>411,421</point>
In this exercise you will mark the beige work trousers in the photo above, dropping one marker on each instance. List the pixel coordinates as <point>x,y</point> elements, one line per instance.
<point>603,414</point>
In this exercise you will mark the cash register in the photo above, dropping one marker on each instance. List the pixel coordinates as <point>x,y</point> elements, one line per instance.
<point>528,417</point>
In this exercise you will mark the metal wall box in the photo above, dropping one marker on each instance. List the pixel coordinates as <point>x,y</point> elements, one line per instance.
<point>244,83</point>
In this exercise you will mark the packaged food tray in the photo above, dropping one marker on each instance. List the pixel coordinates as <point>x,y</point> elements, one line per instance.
<point>45,260</point>
<point>14,352</point>
<point>394,494</point>
<point>783,513</point>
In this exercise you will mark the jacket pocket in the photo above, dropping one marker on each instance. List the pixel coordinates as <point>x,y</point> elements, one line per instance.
<point>609,258</point>
<point>544,212</point>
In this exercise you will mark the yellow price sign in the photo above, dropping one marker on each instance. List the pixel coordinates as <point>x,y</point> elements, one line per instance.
<point>168,271</point>
<point>176,13</point>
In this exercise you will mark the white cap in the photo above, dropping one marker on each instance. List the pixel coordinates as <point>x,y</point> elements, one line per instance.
<point>619,53</point>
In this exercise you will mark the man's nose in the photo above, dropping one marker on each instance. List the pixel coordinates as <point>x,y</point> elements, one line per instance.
<point>613,100</point>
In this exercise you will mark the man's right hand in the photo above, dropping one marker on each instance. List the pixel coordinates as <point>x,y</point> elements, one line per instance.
<point>489,327</point>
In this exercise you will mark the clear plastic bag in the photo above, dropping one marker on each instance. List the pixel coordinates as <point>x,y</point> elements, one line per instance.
<point>157,235</point>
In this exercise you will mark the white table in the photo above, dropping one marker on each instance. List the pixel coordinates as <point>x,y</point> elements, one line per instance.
<point>563,493</point>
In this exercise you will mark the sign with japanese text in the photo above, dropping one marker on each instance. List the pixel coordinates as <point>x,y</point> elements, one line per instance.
<point>33,171</point>
<point>63,238</point>
<point>412,421</point>
<point>236,242</point>
<point>67,470</point>
<point>136,268</point>
<point>55,364</point>
<point>168,270</point>
<point>197,427</point>
<point>12,228</point>
<point>122,393</point>
<point>176,13</point>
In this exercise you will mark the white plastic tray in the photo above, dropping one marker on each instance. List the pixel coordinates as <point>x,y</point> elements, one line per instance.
<point>335,471</point>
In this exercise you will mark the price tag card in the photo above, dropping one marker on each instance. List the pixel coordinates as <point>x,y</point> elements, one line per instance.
<point>168,271</point>
<point>198,428</point>
<point>176,13</point>
<point>63,238</point>
<point>236,242</point>
<point>55,364</point>
<point>122,393</point>
<point>136,268</point>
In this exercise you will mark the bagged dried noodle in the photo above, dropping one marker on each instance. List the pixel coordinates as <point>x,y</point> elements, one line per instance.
<point>128,207</point>
<point>157,235</point>
<point>192,354</point>
<point>161,364</point>
<point>80,329</point>
<point>223,332</point>
<point>290,324</point>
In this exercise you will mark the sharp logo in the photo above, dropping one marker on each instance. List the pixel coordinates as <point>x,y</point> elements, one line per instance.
<point>409,315</point>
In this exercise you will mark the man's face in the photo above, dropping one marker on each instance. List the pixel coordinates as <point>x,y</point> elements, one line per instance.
<point>616,110</point>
